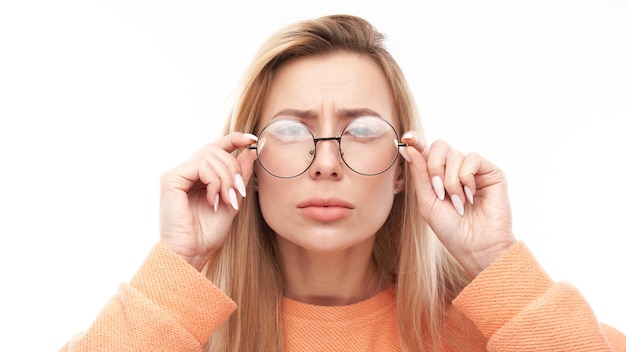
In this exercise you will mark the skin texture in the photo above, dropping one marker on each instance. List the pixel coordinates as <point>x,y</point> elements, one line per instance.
<point>326,252</point>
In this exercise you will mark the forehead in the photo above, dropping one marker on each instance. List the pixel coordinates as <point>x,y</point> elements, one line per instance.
<point>325,85</point>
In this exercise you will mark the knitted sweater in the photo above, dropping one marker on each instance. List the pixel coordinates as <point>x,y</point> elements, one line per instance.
<point>511,306</point>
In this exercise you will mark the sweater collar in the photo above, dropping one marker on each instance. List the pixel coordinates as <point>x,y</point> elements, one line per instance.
<point>384,300</point>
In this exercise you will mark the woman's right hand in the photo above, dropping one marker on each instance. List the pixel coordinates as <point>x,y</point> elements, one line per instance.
<point>200,198</point>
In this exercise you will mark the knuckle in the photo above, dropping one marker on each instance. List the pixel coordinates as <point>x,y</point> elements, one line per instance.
<point>166,177</point>
<point>474,156</point>
<point>439,143</point>
<point>456,154</point>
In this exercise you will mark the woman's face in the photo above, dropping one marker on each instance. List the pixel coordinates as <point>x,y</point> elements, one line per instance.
<point>329,207</point>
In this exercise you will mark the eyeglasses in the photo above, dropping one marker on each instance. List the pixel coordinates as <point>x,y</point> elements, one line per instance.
<point>368,145</point>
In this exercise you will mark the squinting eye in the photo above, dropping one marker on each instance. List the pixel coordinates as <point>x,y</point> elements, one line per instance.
<point>362,130</point>
<point>290,131</point>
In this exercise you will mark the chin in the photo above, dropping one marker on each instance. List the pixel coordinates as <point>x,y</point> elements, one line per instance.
<point>328,242</point>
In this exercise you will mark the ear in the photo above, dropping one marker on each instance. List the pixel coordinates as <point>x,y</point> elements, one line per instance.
<point>254,181</point>
<point>398,185</point>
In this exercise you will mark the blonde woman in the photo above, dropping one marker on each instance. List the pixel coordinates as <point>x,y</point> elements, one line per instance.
<point>321,221</point>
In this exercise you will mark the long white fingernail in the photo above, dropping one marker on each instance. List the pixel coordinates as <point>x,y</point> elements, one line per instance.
<point>216,202</point>
<point>251,136</point>
<point>404,154</point>
<point>468,194</point>
<point>260,144</point>
<point>407,135</point>
<point>241,187</point>
<point>233,199</point>
<point>458,205</point>
<point>438,187</point>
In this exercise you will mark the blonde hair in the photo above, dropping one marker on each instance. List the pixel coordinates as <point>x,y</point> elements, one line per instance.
<point>407,254</point>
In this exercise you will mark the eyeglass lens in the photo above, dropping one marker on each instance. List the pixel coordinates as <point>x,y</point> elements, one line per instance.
<point>368,145</point>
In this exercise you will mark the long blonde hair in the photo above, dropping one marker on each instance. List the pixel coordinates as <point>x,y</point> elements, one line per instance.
<point>407,254</point>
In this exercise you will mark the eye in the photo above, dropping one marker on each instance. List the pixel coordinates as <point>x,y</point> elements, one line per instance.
<point>289,131</point>
<point>364,128</point>
<point>361,131</point>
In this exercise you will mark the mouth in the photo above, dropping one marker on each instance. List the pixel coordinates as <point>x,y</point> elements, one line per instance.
<point>325,209</point>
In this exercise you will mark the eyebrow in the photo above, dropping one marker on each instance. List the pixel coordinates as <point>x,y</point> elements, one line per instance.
<point>341,113</point>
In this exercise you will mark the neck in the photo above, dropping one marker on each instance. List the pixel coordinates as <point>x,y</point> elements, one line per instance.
<point>329,279</point>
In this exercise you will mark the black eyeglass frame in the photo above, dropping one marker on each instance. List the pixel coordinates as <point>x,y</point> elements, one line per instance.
<point>338,139</point>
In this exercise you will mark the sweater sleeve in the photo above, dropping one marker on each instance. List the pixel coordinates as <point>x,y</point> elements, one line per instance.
<point>167,306</point>
<point>518,307</point>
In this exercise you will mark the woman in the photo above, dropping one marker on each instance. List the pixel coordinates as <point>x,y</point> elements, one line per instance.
<point>323,222</point>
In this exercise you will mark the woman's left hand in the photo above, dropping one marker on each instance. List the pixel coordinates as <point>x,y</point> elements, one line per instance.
<point>464,199</point>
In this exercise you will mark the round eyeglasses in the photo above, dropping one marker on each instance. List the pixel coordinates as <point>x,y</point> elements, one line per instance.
<point>368,145</point>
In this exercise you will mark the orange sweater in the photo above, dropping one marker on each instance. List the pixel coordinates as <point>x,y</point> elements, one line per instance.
<point>511,306</point>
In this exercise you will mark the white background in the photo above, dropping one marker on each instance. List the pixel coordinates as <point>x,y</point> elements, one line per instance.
<point>98,98</point>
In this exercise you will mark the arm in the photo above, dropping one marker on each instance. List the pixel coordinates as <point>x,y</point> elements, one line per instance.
<point>167,306</point>
<point>518,307</point>
<point>511,300</point>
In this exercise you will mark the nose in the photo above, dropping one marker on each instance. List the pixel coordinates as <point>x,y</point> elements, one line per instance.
<point>327,162</point>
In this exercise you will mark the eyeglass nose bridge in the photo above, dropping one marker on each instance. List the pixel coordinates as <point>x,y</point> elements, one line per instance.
<point>321,139</point>
<point>338,139</point>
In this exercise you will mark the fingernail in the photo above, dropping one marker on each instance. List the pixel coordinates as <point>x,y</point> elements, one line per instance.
<point>458,205</point>
<point>241,187</point>
<point>468,194</point>
<point>216,203</point>
<point>407,135</point>
<point>260,145</point>
<point>438,187</point>
<point>404,154</point>
<point>251,136</point>
<point>233,199</point>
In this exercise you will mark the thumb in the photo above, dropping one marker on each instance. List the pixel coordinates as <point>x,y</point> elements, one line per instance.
<point>416,153</point>
<point>419,173</point>
<point>246,160</point>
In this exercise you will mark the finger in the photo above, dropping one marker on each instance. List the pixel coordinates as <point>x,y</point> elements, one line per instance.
<point>452,180</point>
<point>478,173</point>
<point>217,177</point>
<point>221,173</point>
<point>235,140</point>
<point>467,175</point>
<point>240,169</point>
<point>412,139</point>
<point>186,174</point>
<point>436,163</point>
<point>419,173</point>
<point>246,162</point>
<point>417,153</point>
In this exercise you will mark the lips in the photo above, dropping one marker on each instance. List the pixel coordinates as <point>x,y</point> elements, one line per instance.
<point>325,209</point>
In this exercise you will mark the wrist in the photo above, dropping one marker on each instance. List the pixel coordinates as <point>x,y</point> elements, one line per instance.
<point>193,259</point>
<point>479,260</point>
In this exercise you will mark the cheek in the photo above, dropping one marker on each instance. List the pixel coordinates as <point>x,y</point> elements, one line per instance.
<point>272,199</point>
<point>380,198</point>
